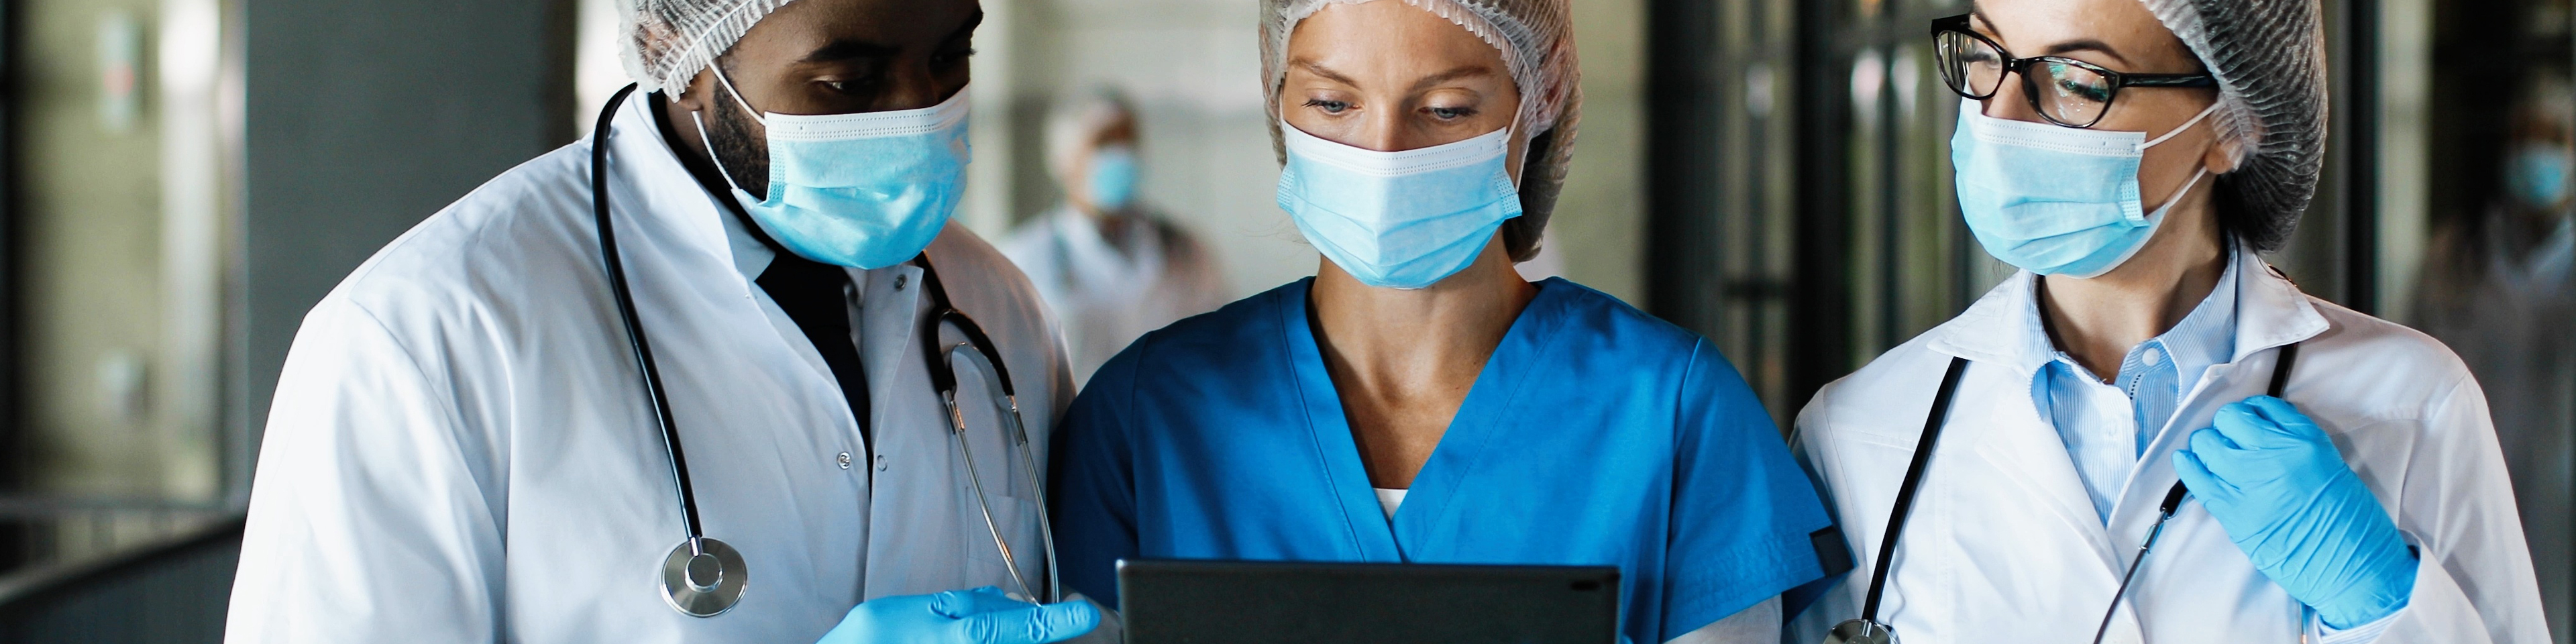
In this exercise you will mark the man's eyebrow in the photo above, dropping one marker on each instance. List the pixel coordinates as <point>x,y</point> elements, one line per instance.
<point>843,49</point>
<point>1462,71</point>
<point>1319,69</point>
<point>2088,44</point>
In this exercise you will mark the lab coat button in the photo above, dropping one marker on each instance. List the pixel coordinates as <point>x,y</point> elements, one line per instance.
<point>845,460</point>
<point>881,463</point>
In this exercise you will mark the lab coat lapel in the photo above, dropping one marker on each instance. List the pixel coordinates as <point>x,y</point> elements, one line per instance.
<point>1337,453</point>
<point>1998,417</point>
<point>2008,495</point>
<point>650,183</point>
<point>2014,441</point>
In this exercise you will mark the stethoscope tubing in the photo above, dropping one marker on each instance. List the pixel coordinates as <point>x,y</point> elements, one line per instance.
<point>639,346</point>
<point>943,378</point>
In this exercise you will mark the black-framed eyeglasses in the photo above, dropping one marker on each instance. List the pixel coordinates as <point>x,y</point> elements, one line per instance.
<point>2065,91</point>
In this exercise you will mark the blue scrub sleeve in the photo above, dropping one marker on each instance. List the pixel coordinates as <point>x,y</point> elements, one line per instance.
<point>1743,511</point>
<point>1093,488</point>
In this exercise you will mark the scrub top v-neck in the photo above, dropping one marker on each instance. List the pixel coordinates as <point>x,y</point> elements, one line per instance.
<point>1595,435</point>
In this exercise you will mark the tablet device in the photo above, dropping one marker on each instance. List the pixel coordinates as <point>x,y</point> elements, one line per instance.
<point>1265,602</point>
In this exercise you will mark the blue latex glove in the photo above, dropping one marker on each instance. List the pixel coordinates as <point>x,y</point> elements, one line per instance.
<point>979,616</point>
<point>2275,481</point>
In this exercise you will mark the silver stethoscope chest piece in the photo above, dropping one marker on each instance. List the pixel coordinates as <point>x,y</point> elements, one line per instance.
<point>1859,631</point>
<point>703,577</point>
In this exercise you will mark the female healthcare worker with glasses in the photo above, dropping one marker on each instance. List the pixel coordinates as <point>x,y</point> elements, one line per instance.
<point>2011,475</point>
<point>1417,400</point>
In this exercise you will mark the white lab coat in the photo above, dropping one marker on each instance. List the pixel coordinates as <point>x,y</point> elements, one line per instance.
<point>1108,294</point>
<point>2004,544</point>
<point>461,451</point>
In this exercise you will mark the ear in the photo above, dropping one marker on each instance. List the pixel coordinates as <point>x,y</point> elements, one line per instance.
<point>2225,156</point>
<point>697,95</point>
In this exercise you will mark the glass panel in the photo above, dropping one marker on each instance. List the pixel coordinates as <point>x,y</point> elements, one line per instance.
<point>124,257</point>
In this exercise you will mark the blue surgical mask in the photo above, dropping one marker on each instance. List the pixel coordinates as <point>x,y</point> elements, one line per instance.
<point>866,190</point>
<point>2056,200</point>
<point>1398,219</point>
<point>1113,177</point>
<point>2537,173</point>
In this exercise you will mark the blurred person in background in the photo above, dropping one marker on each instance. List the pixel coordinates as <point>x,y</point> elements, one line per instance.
<point>2329,477</point>
<point>1418,400</point>
<point>471,441</point>
<point>1108,265</point>
<point>2497,289</point>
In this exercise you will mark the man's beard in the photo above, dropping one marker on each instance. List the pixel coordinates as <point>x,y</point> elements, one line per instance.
<point>739,154</point>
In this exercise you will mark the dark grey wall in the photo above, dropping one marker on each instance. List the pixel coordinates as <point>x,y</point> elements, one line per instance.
<point>364,118</point>
<point>173,594</point>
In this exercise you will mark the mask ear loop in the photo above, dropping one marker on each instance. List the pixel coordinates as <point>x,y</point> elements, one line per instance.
<point>756,115</point>
<point>2142,147</point>
<point>2196,176</point>
<point>696,118</point>
<point>712,157</point>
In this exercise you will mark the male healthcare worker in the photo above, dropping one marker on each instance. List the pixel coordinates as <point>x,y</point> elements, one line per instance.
<point>1111,266</point>
<point>463,448</point>
<point>2341,482</point>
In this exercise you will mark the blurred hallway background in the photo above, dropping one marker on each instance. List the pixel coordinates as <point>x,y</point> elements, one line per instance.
<point>184,178</point>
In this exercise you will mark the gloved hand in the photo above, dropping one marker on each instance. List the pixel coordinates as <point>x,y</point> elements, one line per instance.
<point>2275,481</point>
<point>979,616</point>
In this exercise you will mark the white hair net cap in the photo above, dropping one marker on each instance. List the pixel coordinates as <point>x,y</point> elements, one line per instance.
<point>668,41</point>
<point>2269,57</point>
<point>1537,41</point>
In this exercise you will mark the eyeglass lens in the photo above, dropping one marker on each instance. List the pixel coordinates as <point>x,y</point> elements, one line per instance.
<point>2065,92</point>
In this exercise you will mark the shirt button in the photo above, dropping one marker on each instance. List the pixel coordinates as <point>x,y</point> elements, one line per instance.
<point>899,281</point>
<point>845,460</point>
<point>881,463</point>
<point>2152,357</point>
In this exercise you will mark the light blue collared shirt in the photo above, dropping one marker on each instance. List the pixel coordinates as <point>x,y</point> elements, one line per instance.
<point>2108,425</point>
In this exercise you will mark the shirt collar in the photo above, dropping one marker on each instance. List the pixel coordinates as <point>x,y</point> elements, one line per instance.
<point>2269,312</point>
<point>2206,336</point>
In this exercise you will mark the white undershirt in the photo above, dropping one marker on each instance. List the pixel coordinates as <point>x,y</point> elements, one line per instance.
<point>1389,500</point>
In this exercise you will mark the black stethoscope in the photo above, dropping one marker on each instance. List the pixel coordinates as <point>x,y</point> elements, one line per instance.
<point>704,577</point>
<point>1866,629</point>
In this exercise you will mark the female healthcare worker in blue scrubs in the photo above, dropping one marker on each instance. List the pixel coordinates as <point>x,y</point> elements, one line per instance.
<point>1417,400</point>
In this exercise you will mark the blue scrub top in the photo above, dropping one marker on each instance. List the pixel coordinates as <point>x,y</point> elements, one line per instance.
<point>1595,435</point>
